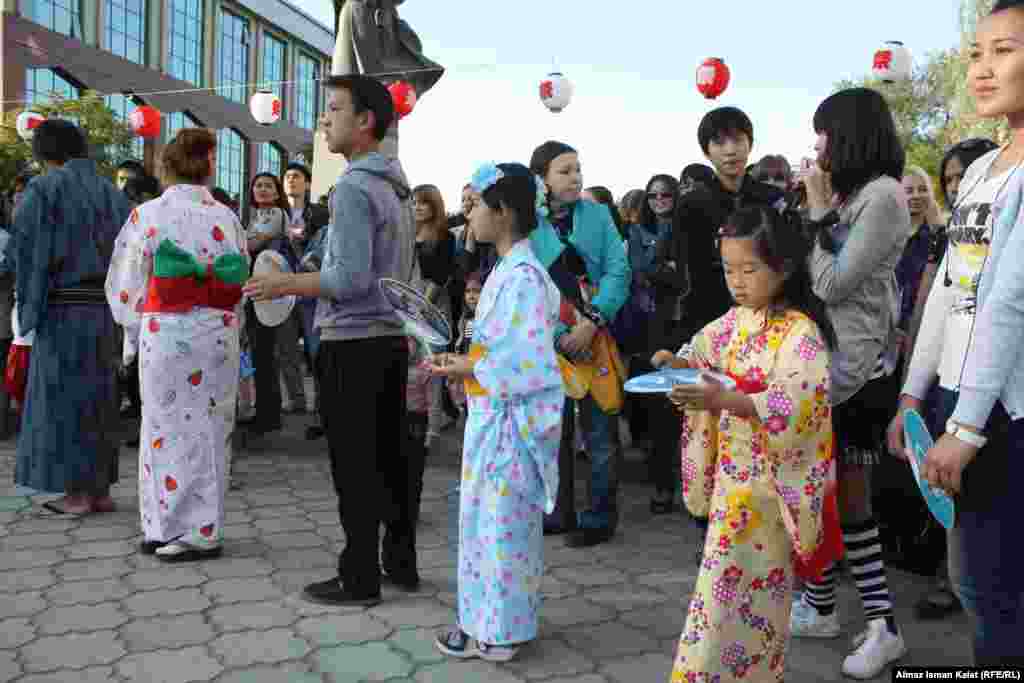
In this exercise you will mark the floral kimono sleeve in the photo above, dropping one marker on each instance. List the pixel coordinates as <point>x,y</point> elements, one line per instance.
<point>797,424</point>
<point>128,281</point>
<point>517,334</point>
<point>698,444</point>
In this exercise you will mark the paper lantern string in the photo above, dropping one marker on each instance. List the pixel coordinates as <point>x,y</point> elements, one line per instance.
<point>252,84</point>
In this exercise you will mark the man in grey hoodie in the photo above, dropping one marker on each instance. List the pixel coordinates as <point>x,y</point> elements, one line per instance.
<point>363,357</point>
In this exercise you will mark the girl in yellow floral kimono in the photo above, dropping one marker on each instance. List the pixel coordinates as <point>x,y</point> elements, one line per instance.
<point>758,458</point>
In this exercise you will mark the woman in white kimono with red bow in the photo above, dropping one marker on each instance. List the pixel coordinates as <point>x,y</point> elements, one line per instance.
<point>175,286</point>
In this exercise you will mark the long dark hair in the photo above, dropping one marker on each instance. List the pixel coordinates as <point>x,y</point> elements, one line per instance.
<point>862,140</point>
<point>780,243</point>
<point>282,202</point>
<point>647,216</point>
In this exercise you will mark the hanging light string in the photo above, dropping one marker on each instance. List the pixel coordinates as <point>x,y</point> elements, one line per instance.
<point>259,85</point>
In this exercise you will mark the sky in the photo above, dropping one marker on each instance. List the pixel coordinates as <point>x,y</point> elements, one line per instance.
<point>636,108</point>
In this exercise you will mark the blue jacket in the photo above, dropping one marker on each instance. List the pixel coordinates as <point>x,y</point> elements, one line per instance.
<point>599,244</point>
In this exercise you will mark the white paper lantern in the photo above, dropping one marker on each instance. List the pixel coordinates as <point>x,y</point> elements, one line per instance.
<point>556,92</point>
<point>27,122</point>
<point>893,62</point>
<point>265,107</point>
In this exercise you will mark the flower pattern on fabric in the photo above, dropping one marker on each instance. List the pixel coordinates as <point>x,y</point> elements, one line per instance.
<point>761,482</point>
<point>188,365</point>
<point>510,452</point>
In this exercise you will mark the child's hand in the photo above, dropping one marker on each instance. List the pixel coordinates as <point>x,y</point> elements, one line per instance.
<point>701,396</point>
<point>449,365</point>
<point>663,359</point>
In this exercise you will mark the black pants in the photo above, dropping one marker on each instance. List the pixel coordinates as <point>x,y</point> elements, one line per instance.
<point>263,342</point>
<point>363,383</point>
<point>664,427</point>
<point>128,386</point>
<point>416,454</point>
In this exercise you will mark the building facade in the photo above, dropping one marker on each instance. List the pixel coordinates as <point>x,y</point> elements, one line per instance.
<point>155,51</point>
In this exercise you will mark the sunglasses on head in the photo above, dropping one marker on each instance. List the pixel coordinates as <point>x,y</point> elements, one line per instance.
<point>660,195</point>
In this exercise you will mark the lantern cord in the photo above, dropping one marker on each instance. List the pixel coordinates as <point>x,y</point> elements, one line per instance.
<point>255,84</point>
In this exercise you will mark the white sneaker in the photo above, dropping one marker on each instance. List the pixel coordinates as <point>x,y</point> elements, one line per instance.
<point>807,622</point>
<point>876,649</point>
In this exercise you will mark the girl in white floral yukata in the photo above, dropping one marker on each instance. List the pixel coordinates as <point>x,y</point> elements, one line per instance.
<point>758,458</point>
<point>510,452</point>
<point>175,285</point>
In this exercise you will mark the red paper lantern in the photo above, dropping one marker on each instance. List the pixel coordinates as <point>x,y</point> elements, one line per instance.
<point>712,77</point>
<point>403,96</point>
<point>26,124</point>
<point>145,121</point>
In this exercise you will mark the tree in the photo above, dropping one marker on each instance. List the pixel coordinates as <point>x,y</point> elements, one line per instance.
<point>109,137</point>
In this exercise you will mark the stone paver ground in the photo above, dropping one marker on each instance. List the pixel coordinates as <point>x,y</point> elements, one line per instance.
<point>78,603</point>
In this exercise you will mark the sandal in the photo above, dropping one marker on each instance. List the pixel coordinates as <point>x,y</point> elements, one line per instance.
<point>455,643</point>
<point>54,507</point>
<point>179,551</point>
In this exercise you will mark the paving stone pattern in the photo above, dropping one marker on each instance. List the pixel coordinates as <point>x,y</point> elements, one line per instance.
<point>78,603</point>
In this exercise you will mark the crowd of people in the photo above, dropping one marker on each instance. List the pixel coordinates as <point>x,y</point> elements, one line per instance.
<point>817,306</point>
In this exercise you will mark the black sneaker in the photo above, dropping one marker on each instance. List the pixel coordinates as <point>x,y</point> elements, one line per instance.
<point>585,538</point>
<point>332,592</point>
<point>409,584</point>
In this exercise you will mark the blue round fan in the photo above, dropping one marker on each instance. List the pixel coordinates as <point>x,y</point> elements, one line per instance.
<point>919,441</point>
<point>662,381</point>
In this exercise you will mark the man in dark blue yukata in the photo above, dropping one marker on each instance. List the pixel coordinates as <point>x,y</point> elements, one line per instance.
<point>61,243</point>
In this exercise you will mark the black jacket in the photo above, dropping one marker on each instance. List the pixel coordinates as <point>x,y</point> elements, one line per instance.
<point>699,214</point>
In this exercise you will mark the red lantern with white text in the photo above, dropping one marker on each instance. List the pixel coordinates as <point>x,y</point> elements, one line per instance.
<point>712,77</point>
<point>403,96</point>
<point>892,62</point>
<point>145,121</point>
<point>27,122</point>
<point>556,92</point>
<point>265,107</point>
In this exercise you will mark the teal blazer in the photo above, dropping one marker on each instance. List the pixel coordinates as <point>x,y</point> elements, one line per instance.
<point>598,242</point>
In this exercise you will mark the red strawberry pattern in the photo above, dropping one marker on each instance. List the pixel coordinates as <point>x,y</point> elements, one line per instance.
<point>179,493</point>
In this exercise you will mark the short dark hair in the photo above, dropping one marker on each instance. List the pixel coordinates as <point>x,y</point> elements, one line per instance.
<point>57,140</point>
<point>772,162</point>
<point>368,94</point>
<point>721,122</point>
<point>132,166</point>
<point>516,190</point>
<point>697,173</point>
<point>862,140</point>
<point>140,187</point>
<point>222,196</point>
<point>186,157</point>
<point>301,168</point>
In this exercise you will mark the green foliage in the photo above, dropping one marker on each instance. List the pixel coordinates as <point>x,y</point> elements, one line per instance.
<point>110,138</point>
